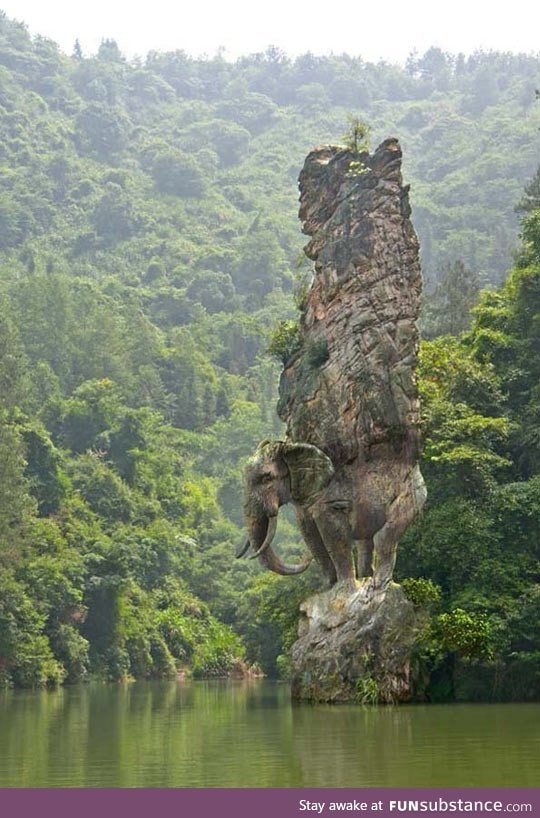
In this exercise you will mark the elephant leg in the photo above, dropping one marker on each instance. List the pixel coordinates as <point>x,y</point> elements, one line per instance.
<point>400,515</point>
<point>336,533</point>
<point>314,541</point>
<point>384,558</point>
<point>364,559</point>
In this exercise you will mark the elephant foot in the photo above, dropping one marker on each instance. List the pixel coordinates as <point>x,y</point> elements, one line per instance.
<point>328,583</point>
<point>348,585</point>
<point>381,581</point>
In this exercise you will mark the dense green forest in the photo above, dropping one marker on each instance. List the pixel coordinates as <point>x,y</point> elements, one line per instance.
<point>149,244</point>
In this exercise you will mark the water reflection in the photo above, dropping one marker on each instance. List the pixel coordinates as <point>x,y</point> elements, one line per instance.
<point>248,735</point>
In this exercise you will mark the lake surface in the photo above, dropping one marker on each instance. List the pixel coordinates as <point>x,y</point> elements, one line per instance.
<point>248,734</point>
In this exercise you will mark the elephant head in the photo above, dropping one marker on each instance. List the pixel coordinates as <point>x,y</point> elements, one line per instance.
<point>278,473</point>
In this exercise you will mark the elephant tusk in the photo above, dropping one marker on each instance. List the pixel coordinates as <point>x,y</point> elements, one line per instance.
<point>270,534</point>
<point>242,550</point>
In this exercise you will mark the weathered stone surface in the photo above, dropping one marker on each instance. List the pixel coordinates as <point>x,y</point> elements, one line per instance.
<point>361,402</point>
<point>348,395</point>
<point>355,646</point>
<point>358,404</point>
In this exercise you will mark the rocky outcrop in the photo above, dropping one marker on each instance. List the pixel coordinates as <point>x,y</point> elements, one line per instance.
<point>355,647</point>
<point>350,390</point>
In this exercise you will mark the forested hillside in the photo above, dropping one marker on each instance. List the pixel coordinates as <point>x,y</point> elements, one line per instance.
<point>479,540</point>
<point>149,243</point>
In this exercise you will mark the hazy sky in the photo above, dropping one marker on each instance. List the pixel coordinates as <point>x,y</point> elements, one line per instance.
<point>388,29</point>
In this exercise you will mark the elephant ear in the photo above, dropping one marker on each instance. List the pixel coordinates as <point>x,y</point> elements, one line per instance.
<point>310,471</point>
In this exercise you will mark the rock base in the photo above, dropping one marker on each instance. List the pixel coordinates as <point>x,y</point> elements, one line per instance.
<point>355,646</point>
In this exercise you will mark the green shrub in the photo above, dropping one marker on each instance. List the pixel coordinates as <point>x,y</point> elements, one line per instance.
<point>421,592</point>
<point>367,690</point>
<point>468,635</point>
<point>218,652</point>
<point>284,341</point>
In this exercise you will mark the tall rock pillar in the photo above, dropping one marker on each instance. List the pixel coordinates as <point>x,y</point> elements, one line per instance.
<point>351,391</point>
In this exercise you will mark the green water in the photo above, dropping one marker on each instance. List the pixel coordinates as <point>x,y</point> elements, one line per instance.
<point>249,735</point>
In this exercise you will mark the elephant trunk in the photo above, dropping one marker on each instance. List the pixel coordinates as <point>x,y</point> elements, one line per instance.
<point>262,531</point>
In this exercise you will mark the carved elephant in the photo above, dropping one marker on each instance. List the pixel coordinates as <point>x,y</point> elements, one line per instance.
<point>333,507</point>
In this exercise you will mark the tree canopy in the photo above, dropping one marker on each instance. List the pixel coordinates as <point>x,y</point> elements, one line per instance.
<point>149,247</point>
